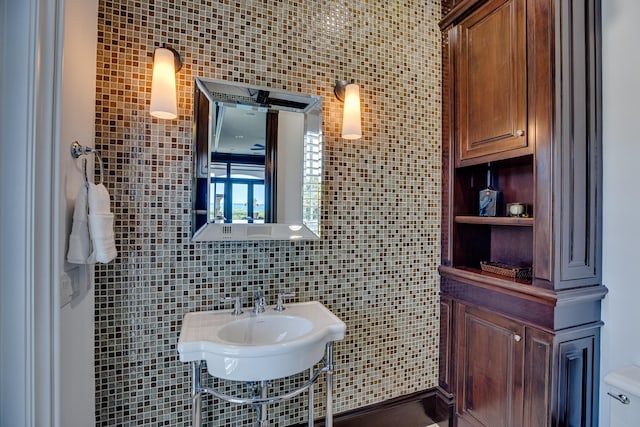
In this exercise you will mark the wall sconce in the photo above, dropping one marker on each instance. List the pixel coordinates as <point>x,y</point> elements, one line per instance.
<point>349,93</point>
<point>166,63</point>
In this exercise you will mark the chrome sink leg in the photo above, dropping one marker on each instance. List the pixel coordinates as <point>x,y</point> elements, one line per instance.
<point>196,393</point>
<point>264,420</point>
<point>329,379</point>
<point>310,400</point>
<point>261,389</point>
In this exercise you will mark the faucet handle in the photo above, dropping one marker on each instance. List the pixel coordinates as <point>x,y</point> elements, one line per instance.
<point>258,301</point>
<point>237,306</point>
<point>280,304</point>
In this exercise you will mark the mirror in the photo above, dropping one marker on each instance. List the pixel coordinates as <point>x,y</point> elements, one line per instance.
<point>257,163</point>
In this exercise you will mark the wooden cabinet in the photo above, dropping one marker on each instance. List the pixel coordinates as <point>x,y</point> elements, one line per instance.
<point>445,373</point>
<point>509,373</point>
<point>575,401</point>
<point>537,378</point>
<point>491,82</point>
<point>490,369</point>
<point>522,99</point>
<point>557,173</point>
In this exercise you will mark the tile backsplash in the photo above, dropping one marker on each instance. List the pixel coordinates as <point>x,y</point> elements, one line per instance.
<point>375,265</point>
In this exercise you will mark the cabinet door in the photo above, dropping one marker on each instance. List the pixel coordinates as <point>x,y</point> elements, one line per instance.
<point>491,84</point>
<point>537,378</point>
<point>490,369</point>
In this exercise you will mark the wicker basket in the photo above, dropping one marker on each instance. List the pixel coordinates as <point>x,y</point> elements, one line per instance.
<point>506,270</point>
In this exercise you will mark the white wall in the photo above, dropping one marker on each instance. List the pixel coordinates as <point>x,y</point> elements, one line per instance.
<point>77,122</point>
<point>621,240</point>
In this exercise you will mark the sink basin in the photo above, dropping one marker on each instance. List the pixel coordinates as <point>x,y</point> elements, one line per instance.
<point>265,330</point>
<point>259,347</point>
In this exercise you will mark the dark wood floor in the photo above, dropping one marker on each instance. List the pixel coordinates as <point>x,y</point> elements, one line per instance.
<point>429,408</point>
<point>406,415</point>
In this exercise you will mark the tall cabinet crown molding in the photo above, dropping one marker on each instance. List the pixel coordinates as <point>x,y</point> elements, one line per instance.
<point>543,149</point>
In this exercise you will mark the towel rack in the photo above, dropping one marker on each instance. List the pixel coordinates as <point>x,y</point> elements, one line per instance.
<point>78,150</point>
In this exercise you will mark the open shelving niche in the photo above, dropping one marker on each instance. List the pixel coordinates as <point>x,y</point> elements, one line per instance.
<point>503,239</point>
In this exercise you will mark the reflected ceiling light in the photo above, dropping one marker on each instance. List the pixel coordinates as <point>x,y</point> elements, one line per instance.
<point>349,93</point>
<point>166,63</point>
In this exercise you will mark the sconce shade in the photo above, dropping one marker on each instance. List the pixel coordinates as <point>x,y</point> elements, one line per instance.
<point>351,126</point>
<point>163,85</point>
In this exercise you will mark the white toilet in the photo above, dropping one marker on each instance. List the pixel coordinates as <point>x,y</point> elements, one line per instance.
<point>623,387</point>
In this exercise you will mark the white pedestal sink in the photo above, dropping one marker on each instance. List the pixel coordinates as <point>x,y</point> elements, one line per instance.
<point>256,347</point>
<point>261,347</point>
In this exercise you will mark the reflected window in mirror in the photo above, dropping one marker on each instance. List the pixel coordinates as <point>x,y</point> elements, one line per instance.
<point>238,192</point>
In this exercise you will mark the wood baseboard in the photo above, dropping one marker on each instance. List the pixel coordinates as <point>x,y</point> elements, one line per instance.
<point>432,406</point>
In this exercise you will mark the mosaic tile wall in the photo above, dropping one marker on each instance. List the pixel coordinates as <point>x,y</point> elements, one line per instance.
<point>375,266</point>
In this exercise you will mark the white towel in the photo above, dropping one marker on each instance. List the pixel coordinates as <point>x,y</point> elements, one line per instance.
<point>79,243</point>
<point>101,225</point>
<point>99,202</point>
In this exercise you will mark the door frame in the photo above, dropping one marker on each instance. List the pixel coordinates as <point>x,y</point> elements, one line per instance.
<point>30,82</point>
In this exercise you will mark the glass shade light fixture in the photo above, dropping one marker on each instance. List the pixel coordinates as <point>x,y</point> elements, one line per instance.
<point>349,93</point>
<point>166,63</point>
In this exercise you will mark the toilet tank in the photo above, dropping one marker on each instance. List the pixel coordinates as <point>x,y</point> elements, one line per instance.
<point>623,388</point>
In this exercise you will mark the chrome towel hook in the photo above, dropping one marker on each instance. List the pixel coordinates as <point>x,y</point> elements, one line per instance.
<point>78,150</point>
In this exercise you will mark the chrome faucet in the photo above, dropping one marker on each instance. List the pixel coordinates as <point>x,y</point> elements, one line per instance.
<point>258,302</point>
<point>281,297</point>
<point>237,304</point>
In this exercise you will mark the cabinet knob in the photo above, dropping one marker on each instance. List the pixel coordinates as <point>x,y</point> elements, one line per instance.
<point>519,132</point>
<point>517,337</point>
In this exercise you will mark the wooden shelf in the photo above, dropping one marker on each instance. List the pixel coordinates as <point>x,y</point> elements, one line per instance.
<point>495,220</point>
<point>518,287</point>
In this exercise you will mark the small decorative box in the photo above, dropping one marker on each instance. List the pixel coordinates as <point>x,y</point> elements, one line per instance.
<point>517,210</point>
